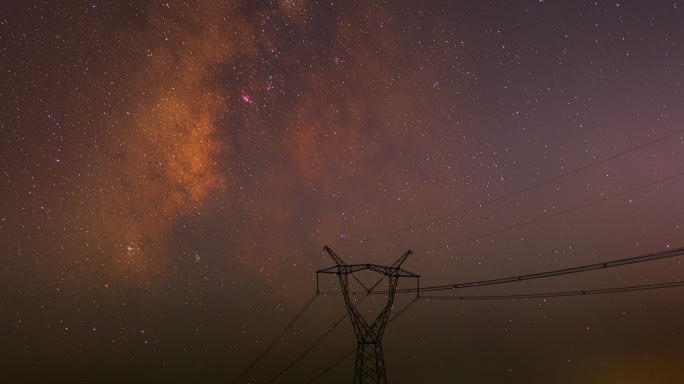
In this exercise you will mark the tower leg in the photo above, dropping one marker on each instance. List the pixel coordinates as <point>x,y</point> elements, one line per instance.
<point>370,364</point>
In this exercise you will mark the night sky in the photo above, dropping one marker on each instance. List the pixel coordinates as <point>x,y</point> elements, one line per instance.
<point>172,170</point>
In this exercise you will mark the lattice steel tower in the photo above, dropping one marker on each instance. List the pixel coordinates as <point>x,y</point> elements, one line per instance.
<point>370,365</point>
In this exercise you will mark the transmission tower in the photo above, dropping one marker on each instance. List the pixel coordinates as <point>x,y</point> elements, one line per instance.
<point>370,365</point>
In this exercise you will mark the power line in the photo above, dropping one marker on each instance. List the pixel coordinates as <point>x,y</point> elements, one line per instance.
<point>567,271</point>
<point>312,347</point>
<point>559,272</point>
<point>284,330</point>
<point>633,288</point>
<point>513,297</point>
<point>335,364</point>
<point>477,205</point>
<point>649,257</point>
<point>276,339</point>
<point>346,356</point>
<point>552,215</point>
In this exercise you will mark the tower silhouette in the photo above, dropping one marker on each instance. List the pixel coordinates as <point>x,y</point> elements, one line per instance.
<point>370,364</point>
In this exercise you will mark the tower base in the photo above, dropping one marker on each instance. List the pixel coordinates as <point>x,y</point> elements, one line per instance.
<point>370,364</point>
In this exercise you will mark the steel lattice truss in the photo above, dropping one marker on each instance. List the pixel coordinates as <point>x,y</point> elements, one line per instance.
<point>370,364</point>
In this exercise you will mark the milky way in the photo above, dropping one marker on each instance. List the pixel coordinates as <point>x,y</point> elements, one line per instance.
<point>172,171</point>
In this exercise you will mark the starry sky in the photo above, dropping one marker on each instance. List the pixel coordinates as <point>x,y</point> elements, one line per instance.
<point>172,170</point>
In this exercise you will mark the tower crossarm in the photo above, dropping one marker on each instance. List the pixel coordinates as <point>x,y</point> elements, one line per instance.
<point>381,269</point>
<point>345,269</point>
